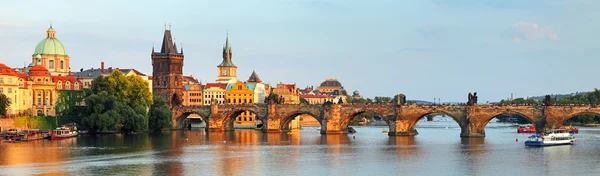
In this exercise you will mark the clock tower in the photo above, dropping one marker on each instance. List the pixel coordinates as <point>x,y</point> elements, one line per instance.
<point>227,71</point>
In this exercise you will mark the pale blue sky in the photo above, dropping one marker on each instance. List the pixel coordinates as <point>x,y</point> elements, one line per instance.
<point>425,49</point>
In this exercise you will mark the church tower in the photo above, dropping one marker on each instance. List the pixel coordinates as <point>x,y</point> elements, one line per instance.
<point>167,71</point>
<point>227,71</point>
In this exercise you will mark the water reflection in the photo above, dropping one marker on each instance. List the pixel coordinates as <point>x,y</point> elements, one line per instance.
<point>304,152</point>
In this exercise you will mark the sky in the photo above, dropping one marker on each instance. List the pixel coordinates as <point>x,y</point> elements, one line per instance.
<point>425,49</point>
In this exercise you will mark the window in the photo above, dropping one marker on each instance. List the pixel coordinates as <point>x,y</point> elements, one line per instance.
<point>39,101</point>
<point>10,90</point>
<point>67,85</point>
<point>1,89</point>
<point>59,85</point>
<point>76,86</point>
<point>10,80</point>
<point>1,80</point>
<point>62,64</point>
<point>51,64</point>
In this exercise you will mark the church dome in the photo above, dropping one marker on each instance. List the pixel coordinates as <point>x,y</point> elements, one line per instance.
<point>50,45</point>
<point>331,83</point>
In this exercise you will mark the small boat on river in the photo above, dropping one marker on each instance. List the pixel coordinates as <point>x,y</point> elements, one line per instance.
<point>526,129</point>
<point>66,131</point>
<point>556,137</point>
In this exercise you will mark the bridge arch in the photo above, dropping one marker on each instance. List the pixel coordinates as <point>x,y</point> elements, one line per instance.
<point>571,116</point>
<point>229,119</point>
<point>284,125</point>
<point>346,119</point>
<point>526,117</point>
<point>455,118</point>
<point>180,114</point>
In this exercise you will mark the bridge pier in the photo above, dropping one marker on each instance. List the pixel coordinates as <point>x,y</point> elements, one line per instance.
<point>402,128</point>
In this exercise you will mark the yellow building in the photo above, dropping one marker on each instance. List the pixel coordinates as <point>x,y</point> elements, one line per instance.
<point>239,93</point>
<point>15,86</point>
<point>288,92</point>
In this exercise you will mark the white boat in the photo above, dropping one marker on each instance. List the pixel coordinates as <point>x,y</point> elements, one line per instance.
<point>556,137</point>
<point>62,132</point>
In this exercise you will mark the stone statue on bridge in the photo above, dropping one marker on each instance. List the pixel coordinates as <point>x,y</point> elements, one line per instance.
<point>547,100</point>
<point>472,99</point>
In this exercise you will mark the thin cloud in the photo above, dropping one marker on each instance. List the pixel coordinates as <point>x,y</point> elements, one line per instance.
<point>7,24</point>
<point>533,31</point>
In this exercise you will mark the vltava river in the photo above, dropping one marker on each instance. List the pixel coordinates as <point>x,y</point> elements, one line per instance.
<point>437,150</point>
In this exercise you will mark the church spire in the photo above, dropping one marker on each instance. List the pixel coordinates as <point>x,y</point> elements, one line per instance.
<point>168,46</point>
<point>227,53</point>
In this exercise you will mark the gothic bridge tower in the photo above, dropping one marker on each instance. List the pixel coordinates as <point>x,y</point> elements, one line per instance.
<point>167,71</point>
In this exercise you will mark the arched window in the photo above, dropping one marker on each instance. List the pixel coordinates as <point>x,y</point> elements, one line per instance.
<point>76,86</point>
<point>59,85</point>
<point>67,85</point>
<point>62,64</point>
<point>51,64</point>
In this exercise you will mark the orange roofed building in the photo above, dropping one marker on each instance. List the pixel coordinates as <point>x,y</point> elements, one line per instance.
<point>36,91</point>
<point>289,93</point>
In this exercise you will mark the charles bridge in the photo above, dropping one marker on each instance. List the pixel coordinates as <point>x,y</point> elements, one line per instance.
<point>400,117</point>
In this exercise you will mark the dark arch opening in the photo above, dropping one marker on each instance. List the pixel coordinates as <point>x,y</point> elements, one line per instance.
<point>436,121</point>
<point>297,120</point>
<point>583,119</point>
<point>365,118</point>
<point>242,119</point>
<point>191,120</point>
<point>510,122</point>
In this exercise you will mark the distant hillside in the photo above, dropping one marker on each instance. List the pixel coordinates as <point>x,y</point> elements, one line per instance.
<point>559,96</point>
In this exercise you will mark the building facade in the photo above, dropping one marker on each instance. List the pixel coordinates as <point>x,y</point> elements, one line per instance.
<point>256,85</point>
<point>239,93</point>
<point>289,93</point>
<point>214,92</point>
<point>193,95</point>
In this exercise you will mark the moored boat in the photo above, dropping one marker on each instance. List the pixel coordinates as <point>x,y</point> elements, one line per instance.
<point>526,129</point>
<point>570,129</point>
<point>66,131</point>
<point>33,134</point>
<point>556,137</point>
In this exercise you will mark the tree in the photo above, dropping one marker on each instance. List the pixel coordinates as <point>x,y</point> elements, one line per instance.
<point>4,103</point>
<point>273,97</point>
<point>100,84</point>
<point>382,99</point>
<point>304,101</point>
<point>117,102</point>
<point>102,113</point>
<point>139,92</point>
<point>159,115</point>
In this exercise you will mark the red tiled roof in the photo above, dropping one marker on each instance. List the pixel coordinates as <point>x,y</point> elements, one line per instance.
<point>38,70</point>
<point>64,78</point>
<point>290,86</point>
<point>149,77</point>
<point>5,70</point>
<point>189,78</point>
<point>220,85</point>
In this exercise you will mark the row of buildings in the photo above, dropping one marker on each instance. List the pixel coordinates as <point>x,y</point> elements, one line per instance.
<point>36,88</point>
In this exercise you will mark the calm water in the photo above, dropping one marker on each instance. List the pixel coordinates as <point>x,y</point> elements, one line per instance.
<point>437,150</point>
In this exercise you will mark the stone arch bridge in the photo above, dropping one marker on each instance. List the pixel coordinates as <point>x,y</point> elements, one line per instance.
<point>401,119</point>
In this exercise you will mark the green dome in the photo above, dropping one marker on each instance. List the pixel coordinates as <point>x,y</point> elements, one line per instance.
<point>50,45</point>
